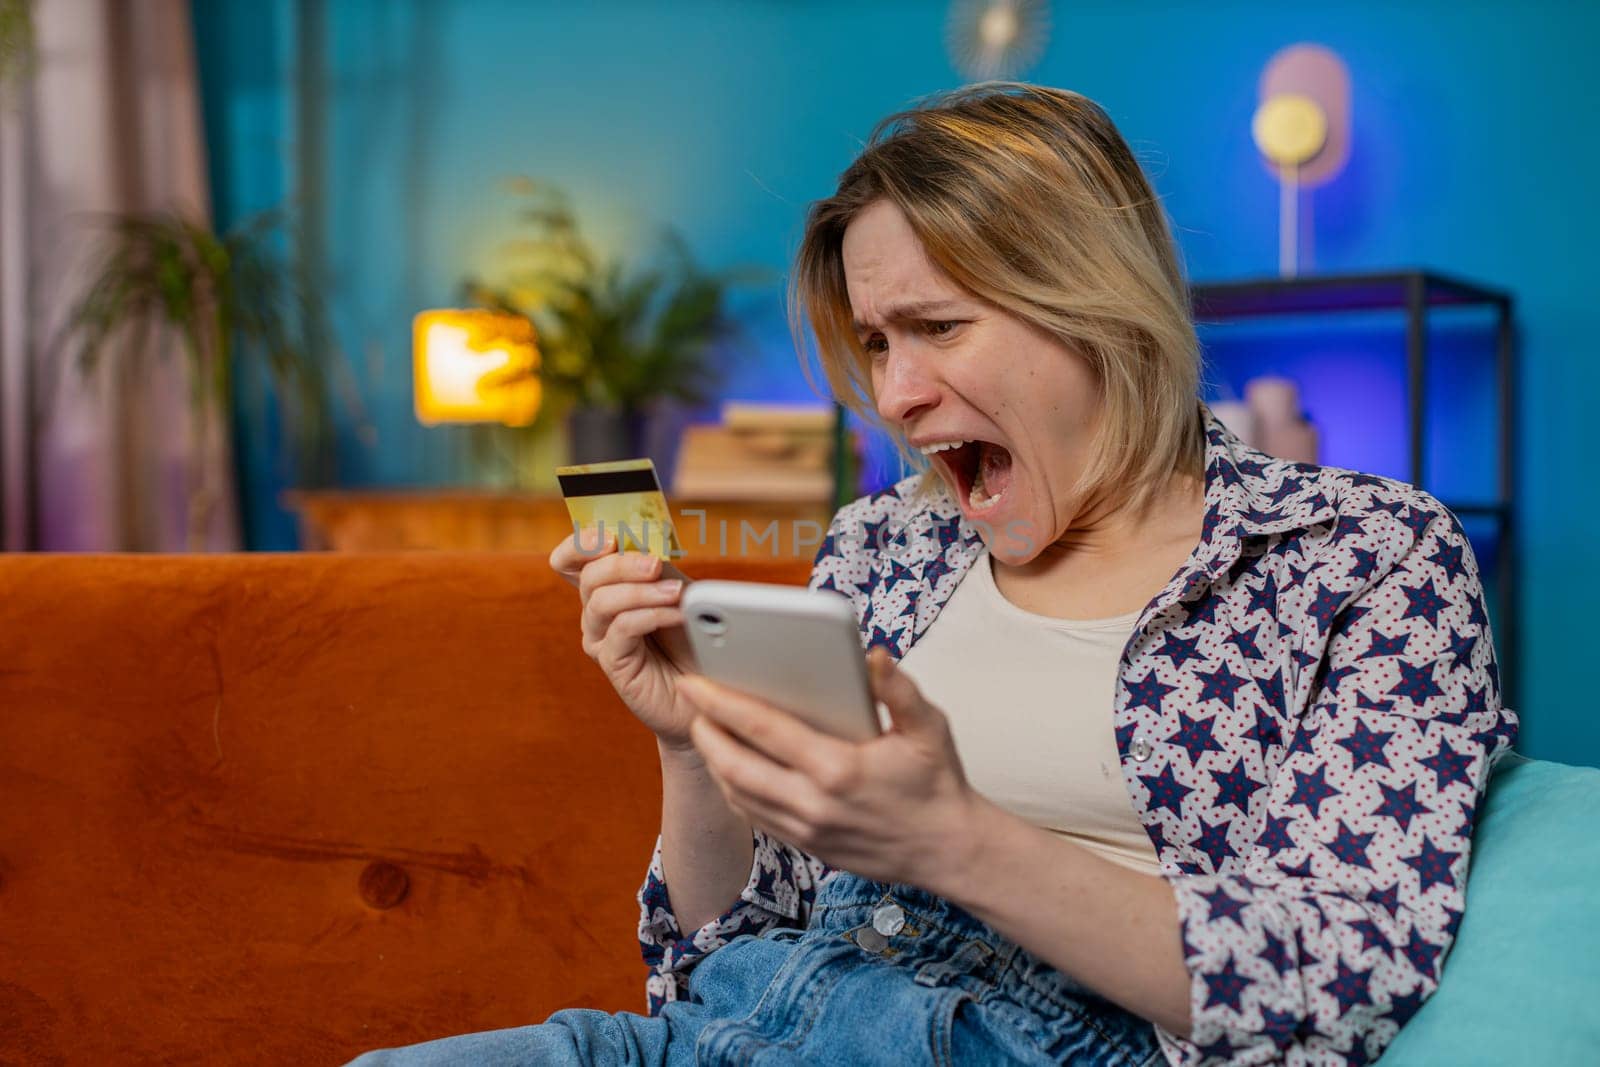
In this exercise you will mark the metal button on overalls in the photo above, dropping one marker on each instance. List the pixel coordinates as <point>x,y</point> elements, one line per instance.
<point>888,919</point>
<point>871,940</point>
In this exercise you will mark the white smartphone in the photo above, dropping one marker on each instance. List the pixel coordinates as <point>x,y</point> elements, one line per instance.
<point>797,649</point>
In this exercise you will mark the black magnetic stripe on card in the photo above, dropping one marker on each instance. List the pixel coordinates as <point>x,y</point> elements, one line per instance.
<point>608,482</point>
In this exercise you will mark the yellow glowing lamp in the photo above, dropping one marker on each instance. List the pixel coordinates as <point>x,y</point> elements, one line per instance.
<point>1290,129</point>
<point>475,366</point>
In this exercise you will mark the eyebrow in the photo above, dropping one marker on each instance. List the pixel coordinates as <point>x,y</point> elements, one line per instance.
<point>902,312</point>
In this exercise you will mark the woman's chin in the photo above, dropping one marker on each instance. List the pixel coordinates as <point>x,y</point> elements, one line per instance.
<point>1012,537</point>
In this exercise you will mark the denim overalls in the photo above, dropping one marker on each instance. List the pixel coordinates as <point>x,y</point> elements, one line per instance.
<point>885,974</point>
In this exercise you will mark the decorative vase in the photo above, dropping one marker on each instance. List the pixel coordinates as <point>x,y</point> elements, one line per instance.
<point>597,434</point>
<point>1239,418</point>
<point>1284,430</point>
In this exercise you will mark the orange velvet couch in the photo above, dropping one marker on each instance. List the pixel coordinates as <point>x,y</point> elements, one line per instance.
<point>286,808</point>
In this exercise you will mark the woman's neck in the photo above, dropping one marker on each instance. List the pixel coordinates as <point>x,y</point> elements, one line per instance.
<point>1111,565</point>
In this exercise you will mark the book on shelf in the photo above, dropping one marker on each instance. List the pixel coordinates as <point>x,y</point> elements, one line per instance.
<point>790,418</point>
<point>765,455</point>
<point>754,486</point>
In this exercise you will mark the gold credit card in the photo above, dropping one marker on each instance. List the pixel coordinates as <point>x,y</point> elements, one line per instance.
<point>622,497</point>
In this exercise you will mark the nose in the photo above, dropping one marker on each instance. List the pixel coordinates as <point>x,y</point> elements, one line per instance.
<point>905,390</point>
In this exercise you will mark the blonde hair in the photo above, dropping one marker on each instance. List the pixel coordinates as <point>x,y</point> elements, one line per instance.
<point>1027,197</point>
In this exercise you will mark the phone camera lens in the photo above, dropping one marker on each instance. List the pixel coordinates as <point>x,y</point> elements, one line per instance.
<point>711,623</point>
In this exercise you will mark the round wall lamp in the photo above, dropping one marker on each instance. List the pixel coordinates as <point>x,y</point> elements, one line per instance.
<point>1302,128</point>
<point>990,39</point>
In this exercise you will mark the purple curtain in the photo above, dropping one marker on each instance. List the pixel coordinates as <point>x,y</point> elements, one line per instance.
<point>106,119</point>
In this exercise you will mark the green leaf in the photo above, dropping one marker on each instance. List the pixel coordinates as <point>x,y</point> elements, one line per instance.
<point>227,297</point>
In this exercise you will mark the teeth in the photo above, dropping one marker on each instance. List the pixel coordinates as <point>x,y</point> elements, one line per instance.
<point>979,503</point>
<point>975,498</point>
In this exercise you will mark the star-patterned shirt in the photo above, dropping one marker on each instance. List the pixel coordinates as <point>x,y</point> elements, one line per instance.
<point>1307,717</point>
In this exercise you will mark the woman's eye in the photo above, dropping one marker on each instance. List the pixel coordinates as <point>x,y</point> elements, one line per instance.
<point>877,346</point>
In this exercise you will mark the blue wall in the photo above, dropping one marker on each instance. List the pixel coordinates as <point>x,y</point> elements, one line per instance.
<point>1471,153</point>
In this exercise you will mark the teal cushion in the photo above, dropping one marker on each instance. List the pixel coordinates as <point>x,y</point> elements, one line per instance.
<point>1522,982</point>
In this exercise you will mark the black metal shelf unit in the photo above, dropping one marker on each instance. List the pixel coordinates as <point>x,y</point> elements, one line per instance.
<point>1415,293</point>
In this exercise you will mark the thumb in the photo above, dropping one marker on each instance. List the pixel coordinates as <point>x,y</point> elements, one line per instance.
<point>907,709</point>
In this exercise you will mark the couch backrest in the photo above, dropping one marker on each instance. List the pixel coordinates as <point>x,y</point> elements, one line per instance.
<point>286,808</point>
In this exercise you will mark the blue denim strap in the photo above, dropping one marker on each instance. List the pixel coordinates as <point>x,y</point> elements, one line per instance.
<point>970,956</point>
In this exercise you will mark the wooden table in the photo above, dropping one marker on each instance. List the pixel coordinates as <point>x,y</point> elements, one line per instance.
<point>344,520</point>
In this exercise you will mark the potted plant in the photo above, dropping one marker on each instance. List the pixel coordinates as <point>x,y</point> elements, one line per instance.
<point>612,344</point>
<point>223,297</point>
<point>16,40</point>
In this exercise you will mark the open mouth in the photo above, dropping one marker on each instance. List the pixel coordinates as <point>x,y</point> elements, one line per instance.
<point>981,471</point>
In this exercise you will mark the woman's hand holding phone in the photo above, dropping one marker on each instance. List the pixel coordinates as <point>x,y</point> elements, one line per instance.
<point>894,808</point>
<point>633,628</point>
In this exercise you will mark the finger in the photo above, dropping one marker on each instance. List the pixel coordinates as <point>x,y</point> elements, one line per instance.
<point>771,731</point>
<point>569,557</point>
<point>617,567</point>
<point>775,822</point>
<point>673,643</point>
<point>609,601</point>
<point>629,627</point>
<point>751,778</point>
<point>895,688</point>
<point>771,810</point>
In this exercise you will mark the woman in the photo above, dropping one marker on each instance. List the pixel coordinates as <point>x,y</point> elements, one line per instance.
<point>1187,741</point>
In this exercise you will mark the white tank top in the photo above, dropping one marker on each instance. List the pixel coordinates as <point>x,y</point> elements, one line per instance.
<point>1029,699</point>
